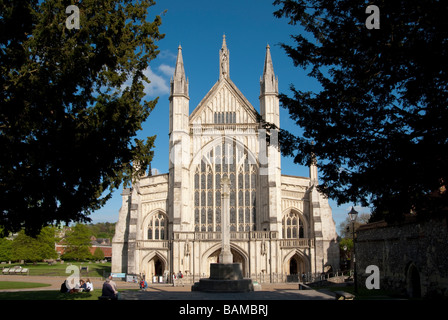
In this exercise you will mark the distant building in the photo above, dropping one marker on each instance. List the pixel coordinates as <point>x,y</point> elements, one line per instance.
<point>103,243</point>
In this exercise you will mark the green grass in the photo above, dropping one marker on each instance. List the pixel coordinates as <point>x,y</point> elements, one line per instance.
<point>49,295</point>
<point>4,285</point>
<point>58,269</point>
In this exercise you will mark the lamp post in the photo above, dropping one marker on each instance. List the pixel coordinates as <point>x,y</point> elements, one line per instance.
<point>353,214</point>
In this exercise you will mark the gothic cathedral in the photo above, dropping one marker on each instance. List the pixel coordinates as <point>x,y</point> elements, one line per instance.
<point>280,225</point>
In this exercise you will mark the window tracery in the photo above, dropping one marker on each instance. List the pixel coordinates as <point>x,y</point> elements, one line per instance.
<point>225,159</point>
<point>157,227</point>
<point>292,226</point>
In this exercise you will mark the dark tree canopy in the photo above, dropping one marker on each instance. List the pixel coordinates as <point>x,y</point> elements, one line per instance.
<point>70,106</point>
<point>378,125</point>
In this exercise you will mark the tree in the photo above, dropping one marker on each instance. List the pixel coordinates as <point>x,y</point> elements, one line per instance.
<point>378,124</point>
<point>77,241</point>
<point>346,229</point>
<point>98,254</point>
<point>102,229</point>
<point>70,105</point>
<point>34,249</point>
<point>5,249</point>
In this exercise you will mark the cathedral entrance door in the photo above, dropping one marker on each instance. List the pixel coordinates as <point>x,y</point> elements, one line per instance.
<point>155,269</point>
<point>295,268</point>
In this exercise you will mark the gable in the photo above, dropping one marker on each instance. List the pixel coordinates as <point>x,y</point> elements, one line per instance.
<point>224,103</point>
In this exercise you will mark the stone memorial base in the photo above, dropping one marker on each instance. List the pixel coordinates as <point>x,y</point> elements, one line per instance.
<point>224,277</point>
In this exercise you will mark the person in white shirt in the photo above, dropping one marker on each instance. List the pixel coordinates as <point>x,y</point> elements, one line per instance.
<point>89,286</point>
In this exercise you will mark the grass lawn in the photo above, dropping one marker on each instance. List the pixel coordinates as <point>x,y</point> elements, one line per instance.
<point>58,269</point>
<point>49,295</point>
<point>21,285</point>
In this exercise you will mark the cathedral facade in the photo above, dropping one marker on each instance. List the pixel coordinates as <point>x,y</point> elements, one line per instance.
<point>280,225</point>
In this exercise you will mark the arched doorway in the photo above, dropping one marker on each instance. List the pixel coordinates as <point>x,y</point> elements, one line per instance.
<point>155,269</point>
<point>413,286</point>
<point>295,266</point>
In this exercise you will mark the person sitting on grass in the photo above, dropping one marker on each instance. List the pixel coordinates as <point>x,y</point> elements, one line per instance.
<point>64,288</point>
<point>109,291</point>
<point>89,286</point>
<point>82,286</point>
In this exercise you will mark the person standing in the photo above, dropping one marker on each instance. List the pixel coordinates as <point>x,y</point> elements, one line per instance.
<point>180,278</point>
<point>174,279</point>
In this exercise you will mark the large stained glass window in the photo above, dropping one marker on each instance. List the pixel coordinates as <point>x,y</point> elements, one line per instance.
<point>230,159</point>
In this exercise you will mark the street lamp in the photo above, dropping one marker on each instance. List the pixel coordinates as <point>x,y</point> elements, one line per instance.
<point>353,214</point>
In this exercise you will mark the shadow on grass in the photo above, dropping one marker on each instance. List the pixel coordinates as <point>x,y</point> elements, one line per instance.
<point>49,295</point>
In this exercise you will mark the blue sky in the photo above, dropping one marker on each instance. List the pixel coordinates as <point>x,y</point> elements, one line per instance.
<point>198,26</point>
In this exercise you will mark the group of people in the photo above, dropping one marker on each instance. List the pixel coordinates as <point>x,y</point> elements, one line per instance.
<point>178,279</point>
<point>109,288</point>
<point>82,286</point>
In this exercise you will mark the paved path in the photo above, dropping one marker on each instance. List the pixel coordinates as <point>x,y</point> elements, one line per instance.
<point>268,292</point>
<point>280,291</point>
<point>202,296</point>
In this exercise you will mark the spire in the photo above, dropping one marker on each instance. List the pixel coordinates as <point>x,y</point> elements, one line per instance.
<point>179,72</point>
<point>224,60</point>
<point>179,82</point>
<point>268,82</point>
<point>268,65</point>
<point>224,44</point>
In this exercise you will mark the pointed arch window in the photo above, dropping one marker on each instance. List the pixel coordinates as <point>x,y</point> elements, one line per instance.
<point>157,227</point>
<point>292,226</point>
<point>231,160</point>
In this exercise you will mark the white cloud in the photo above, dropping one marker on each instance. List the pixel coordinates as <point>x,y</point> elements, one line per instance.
<point>166,70</point>
<point>167,55</point>
<point>159,82</point>
<point>158,85</point>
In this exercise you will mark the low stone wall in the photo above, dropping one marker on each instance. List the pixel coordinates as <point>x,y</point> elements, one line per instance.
<point>412,257</point>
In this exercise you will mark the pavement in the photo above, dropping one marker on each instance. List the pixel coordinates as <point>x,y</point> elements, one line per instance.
<point>276,291</point>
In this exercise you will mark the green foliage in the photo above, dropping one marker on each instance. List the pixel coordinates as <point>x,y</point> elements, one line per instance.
<point>346,244</point>
<point>378,124</point>
<point>98,254</point>
<point>32,249</point>
<point>5,249</point>
<point>102,230</point>
<point>78,244</point>
<point>70,107</point>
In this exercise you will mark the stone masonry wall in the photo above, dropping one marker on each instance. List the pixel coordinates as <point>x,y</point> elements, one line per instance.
<point>400,250</point>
